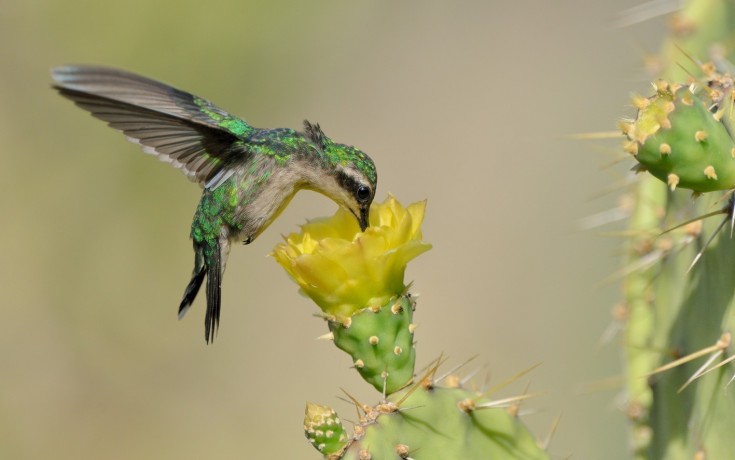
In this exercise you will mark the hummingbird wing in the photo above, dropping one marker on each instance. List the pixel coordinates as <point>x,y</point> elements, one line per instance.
<point>179,128</point>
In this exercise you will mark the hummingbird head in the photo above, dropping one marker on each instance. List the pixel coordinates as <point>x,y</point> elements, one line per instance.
<point>350,178</point>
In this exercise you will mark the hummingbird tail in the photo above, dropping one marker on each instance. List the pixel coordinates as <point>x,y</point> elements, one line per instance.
<point>207,261</point>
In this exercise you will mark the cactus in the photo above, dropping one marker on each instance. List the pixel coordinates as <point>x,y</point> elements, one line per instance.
<point>440,422</point>
<point>680,315</point>
<point>357,280</point>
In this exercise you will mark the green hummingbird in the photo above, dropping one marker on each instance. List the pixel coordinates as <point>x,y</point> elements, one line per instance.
<point>249,175</point>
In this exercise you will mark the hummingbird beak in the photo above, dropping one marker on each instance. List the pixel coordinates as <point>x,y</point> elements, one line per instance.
<point>364,218</point>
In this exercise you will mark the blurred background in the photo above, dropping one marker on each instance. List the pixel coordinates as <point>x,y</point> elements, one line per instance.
<point>465,103</point>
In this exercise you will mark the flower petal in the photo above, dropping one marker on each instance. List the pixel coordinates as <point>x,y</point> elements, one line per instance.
<point>344,270</point>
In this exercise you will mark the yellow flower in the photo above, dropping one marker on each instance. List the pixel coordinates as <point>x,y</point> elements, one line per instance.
<point>344,270</point>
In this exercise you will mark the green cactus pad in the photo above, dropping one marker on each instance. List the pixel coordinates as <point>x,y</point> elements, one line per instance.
<point>324,430</point>
<point>440,423</point>
<point>681,137</point>
<point>380,344</point>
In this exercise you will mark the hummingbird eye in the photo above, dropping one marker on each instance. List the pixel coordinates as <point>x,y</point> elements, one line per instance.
<point>363,193</point>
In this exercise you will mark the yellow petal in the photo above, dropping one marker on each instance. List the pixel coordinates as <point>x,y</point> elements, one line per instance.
<point>344,270</point>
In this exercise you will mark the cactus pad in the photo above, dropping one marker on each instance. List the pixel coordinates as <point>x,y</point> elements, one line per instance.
<point>427,422</point>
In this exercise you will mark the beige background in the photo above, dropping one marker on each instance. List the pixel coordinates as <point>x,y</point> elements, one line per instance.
<point>464,103</point>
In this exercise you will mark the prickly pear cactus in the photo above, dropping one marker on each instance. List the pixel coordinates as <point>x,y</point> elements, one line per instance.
<point>430,420</point>
<point>357,280</point>
<point>679,315</point>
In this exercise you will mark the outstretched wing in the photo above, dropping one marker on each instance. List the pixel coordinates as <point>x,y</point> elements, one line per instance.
<point>189,132</point>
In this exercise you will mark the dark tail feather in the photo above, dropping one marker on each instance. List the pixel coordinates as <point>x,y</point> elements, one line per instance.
<point>214,281</point>
<point>197,276</point>
<point>212,267</point>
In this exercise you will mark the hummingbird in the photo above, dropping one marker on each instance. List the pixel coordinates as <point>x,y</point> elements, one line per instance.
<point>248,174</point>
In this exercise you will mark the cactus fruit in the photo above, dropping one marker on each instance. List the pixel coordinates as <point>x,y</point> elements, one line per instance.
<point>678,317</point>
<point>356,278</point>
<point>324,429</point>
<point>380,342</point>
<point>696,120</point>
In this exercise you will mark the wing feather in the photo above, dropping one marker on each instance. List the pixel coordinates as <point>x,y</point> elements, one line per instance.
<point>179,128</point>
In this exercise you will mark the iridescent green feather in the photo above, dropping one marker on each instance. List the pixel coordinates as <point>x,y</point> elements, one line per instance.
<point>340,154</point>
<point>216,209</point>
<point>231,123</point>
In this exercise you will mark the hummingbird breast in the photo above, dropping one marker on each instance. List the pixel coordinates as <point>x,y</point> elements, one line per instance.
<point>263,195</point>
